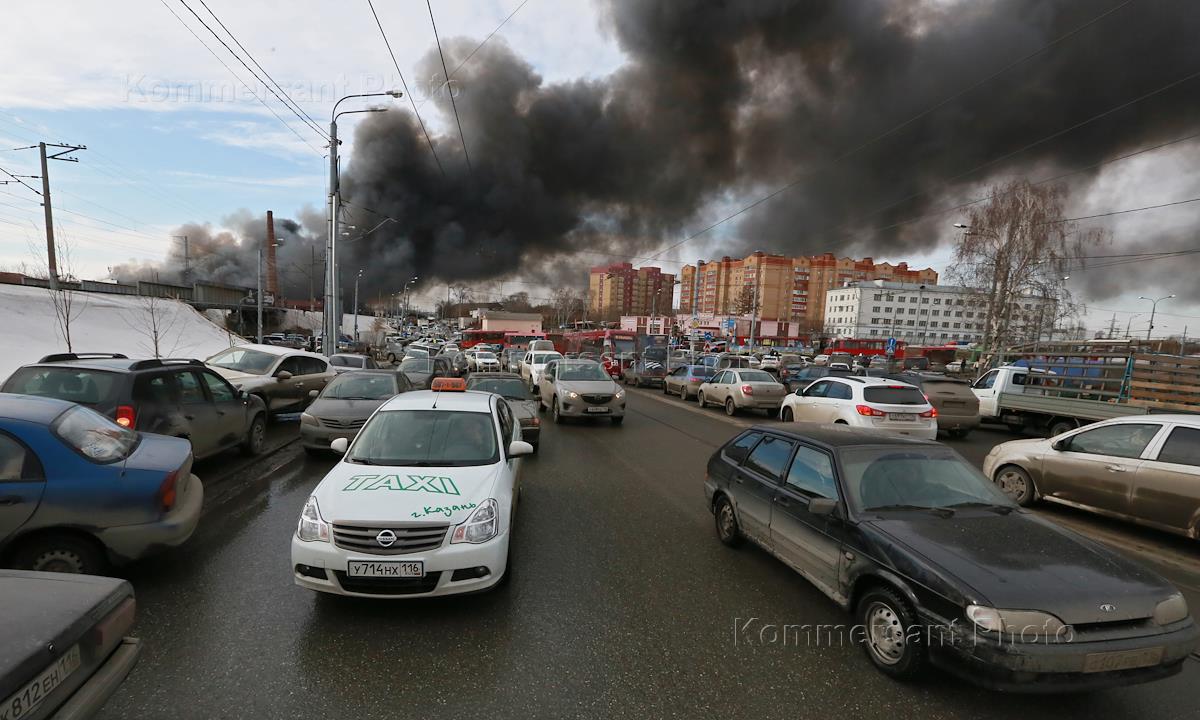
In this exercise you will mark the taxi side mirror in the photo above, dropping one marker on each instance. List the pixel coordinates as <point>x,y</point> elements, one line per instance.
<point>340,445</point>
<point>517,448</point>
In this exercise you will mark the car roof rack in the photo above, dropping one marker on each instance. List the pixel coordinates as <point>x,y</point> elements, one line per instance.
<point>163,362</point>
<point>63,357</point>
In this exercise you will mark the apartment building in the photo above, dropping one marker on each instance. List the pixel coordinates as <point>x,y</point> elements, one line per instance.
<point>778,287</point>
<point>927,314</point>
<point>621,289</point>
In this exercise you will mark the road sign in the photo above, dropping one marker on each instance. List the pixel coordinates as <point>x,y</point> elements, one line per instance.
<point>891,346</point>
<point>708,336</point>
<point>730,323</point>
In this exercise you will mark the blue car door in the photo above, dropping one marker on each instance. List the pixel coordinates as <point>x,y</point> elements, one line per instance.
<point>22,483</point>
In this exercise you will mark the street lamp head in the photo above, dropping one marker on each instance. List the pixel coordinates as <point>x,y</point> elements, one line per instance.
<point>395,93</point>
<point>1142,297</point>
<point>1169,296</point>
<point>961,226</point>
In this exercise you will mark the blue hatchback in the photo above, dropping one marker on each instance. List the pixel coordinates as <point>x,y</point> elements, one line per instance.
<point>78,491</point>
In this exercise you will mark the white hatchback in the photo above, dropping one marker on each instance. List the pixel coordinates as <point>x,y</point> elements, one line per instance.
<point>423,502</point>
<point>863,402</point>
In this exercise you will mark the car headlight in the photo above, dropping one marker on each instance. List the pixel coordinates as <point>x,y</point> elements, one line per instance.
<point>483,525</point>
<point>1023,625</point>
<point>620,395</point>
<point>572,394</point>
<point>306,419</point>
<point>1171,610</point>
<point>312,528</point>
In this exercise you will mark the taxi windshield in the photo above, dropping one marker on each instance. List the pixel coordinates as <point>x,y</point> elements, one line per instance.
<point>426,438</point>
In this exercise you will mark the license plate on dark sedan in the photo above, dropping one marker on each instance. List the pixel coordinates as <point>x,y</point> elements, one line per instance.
<point>1122,660</point>
<point>26,701</point>
<point>381,569</point>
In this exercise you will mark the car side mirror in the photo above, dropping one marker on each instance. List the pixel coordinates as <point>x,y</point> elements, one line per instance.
<point>822,506</point>
<point>340,445</point>
<point>283,375</point>
<point>314,393</point>
<point>1059,445</point>
<point>517,448</point>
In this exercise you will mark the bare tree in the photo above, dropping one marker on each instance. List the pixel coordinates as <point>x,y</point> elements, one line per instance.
<point>68,302</point>
<point>1017,245</point>
<point>157,320</point>
<point>567,304</point>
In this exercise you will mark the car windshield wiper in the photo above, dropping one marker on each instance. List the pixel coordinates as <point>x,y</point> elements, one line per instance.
<point>1001,509</point>
<point>942,511</point>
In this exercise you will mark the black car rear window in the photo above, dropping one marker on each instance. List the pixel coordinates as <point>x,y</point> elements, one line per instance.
<point>893,395</point>
<point>81,385</point>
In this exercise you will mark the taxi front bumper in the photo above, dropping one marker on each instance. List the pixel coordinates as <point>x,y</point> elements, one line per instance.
<point>322,566</point>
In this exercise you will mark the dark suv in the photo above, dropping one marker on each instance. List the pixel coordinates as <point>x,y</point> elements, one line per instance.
<point>169,397</point>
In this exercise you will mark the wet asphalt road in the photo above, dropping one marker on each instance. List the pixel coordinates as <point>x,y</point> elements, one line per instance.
<point>622,604</point>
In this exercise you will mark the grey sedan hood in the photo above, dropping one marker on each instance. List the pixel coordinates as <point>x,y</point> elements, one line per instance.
<point>338,408</point>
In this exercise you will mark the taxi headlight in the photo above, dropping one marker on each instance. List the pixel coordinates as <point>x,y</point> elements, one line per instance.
<point>311,527</point>
<point>1171,610</point>
<point>306,419</point>
<point>1021,625</point>
<point>483,525</point>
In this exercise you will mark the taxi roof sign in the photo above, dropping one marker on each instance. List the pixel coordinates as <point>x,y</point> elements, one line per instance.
<point>446,384</point>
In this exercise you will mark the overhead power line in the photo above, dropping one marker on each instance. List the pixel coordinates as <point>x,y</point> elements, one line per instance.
<point>287,98</point>
<point>446,72</point>
<point>316,128</point>
<point>238,77</point>
<point>416,112</point>
<point>780,190</point>
<point>477,47</point>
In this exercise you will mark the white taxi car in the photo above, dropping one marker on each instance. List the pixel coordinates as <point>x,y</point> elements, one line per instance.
<point>421,504</point>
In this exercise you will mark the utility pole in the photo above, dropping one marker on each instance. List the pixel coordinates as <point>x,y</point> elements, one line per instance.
<point>186,264</point>
<point>1112,327</point>
<point>258,299</point>
<point>754,305</point>
<point>330,334</point>
<point>312,274</point>
<point>51,259</point>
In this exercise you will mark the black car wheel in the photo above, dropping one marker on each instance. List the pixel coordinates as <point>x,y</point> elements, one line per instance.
<point>730,408</point>
<point>889,638</point>
<point>1058,427</point>
<point>700,398</point>
<point>558,418</point>
<point>55,552</point>
<point>728,531</point>
<point>1016,483</point>
<point>256,437</point>
<point>787,415</point>
<point>665,388</point>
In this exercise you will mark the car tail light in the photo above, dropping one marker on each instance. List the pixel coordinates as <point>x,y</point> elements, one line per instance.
<point>930,413</point>
<point>113,627</point>
<point>126,416</point>
<point>747,390</point>
<point>166,491</point>
<point>869,411</point>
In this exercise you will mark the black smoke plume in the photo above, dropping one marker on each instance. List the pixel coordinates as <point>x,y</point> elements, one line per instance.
<point>720,102</point>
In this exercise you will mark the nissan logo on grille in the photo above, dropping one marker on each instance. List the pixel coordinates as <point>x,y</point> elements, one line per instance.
<point>1106,607</point>
<point>385,538</point>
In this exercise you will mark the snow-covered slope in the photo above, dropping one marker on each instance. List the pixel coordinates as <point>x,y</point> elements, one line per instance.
<point>102,323</point>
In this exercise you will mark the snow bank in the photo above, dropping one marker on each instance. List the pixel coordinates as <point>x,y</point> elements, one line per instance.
<point>102,323</point>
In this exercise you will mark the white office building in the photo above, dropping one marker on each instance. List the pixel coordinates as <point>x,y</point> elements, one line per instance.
<point>928,314</point>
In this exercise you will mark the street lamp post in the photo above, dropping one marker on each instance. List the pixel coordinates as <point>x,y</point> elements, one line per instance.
<point>332,316</point>
<point>1129,323</point>
<point>1153,307</point>
<point>404,292</point>
<point>356,279</point>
